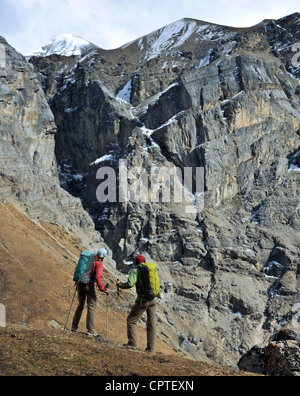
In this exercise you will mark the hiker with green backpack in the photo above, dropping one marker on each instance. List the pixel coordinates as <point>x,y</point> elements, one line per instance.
<point>88,275</point>
<point>145,278</point>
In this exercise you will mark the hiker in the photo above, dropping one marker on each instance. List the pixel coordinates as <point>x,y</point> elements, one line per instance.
<point>87,292</point>
<point>142,305</point>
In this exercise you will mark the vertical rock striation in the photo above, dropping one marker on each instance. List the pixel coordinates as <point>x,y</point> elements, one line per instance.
<point>28,168</point>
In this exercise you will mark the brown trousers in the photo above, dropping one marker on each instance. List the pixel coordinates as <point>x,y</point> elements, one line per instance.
<point>86,293</point>
<point>137,311</point>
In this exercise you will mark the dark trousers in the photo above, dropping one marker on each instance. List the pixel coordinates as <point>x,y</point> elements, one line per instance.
<point>86,293</point>
<point>137,311</point>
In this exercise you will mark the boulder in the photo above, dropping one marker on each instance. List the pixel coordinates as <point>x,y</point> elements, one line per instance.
<point>280,357</point>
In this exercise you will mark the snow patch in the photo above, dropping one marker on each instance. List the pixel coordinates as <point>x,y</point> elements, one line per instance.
<point>238,314</point>
<point>106,157</point>
<point>170,37</point>
<point>204,61</point>
<point>294,162</point>
<point>125,92</point>
<point>71,110</point>
<point>64,44</point>
<point>294,168</point>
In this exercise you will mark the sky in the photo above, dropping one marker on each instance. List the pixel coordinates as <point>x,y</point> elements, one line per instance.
<point>28,24</point>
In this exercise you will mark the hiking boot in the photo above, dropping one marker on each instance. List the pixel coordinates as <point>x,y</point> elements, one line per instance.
<point>149,350</point>
<point>92,335</point>
<point>75,331</point>
<point>129,346</point>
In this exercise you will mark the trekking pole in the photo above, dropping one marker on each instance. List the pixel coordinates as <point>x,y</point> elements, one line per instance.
<point>71,306</point>
<point>106,287</point>
<point>118,307</point>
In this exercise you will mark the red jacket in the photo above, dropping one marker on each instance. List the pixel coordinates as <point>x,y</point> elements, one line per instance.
<point>96,274</point>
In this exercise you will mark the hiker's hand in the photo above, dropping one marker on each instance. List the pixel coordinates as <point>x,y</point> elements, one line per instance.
<point>118,282</point>
<point>107,291</point>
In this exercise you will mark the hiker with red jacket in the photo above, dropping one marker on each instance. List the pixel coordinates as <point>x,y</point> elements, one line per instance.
<point>143,304</point>
<point>87,292</point>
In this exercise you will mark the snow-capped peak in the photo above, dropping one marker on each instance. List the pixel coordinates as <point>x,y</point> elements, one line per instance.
<point>64,44</point>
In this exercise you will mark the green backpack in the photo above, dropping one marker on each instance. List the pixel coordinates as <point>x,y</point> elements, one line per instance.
<point>151,284</point>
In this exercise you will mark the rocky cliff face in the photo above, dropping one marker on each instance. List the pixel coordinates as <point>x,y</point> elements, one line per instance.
<point>193,94</point>
<point>28,169</point>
